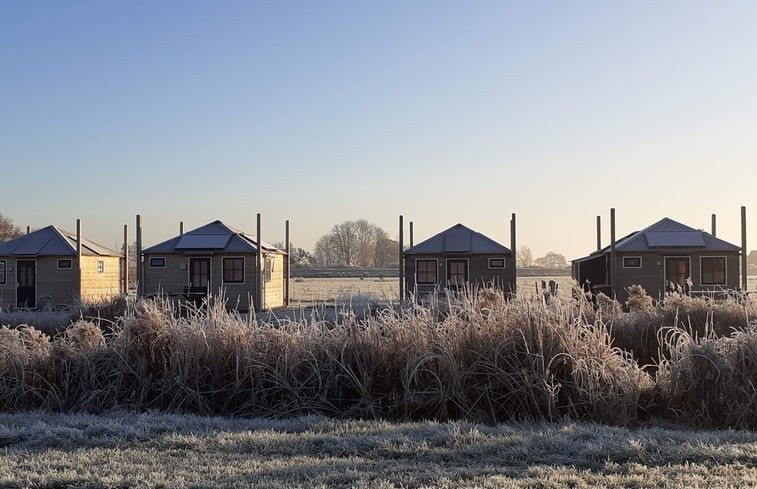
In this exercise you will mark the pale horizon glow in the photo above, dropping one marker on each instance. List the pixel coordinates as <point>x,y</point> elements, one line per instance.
<point>322,113</point>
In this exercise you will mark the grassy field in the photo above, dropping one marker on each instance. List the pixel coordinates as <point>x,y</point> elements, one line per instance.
<point>151,450</point>
<point>312,291</point>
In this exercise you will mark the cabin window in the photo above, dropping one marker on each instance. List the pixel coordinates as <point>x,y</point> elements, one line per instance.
<point>2,272</point>
<point>631,262</point>
<point>157,262</point>
<point>713,270</point>
<point>425,271</point>
<point>268,268</point>
<point>233,270</point>
<point>496,263</point>
<point>65,264</point>
<point>100,266</point>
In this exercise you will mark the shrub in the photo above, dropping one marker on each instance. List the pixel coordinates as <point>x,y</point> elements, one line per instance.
<point>638,300</point>
<point>711,380</point>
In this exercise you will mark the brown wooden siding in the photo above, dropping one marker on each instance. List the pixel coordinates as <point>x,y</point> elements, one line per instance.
<point>651,275</point>
<point>96,285</point>
<point>54,287</point>
<point>479,273</point>
<point>61,287</point>
<point>174,277</point>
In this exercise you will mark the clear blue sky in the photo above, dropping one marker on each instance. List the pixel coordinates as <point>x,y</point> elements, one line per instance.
<point>321,112</point>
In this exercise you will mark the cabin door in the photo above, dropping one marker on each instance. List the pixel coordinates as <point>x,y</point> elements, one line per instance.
<point>199,278</point>
<point>677,273</point>
<point>26,284</point>
<point>457,273</point>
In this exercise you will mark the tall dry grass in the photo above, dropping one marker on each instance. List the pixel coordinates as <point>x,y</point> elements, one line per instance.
<point>476,356</point>
<point>486,360</point>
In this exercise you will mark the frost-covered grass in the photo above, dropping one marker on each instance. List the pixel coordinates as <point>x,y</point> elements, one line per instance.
<point>475,357</point>
<point>132,450</point>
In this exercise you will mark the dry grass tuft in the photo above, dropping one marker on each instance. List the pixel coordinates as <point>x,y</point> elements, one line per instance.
<point>638,299</point>
<point>711,380</point>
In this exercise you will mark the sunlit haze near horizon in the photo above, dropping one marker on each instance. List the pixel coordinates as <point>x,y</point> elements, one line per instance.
<point>322,112</point>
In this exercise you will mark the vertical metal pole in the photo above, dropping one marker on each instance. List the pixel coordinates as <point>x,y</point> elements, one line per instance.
<point>401,263</point>
<point>411,234</point>
<point>259,284</point>
<point>613,264</point>
<point>181,228</point>
<point>599,233</point>
<point>513,245</point>
<point>78,254</point>
<point>140,284</point>
<point>714,226</point>
<point>287,264</point>
<point>743,249</point>
<point>126,260</point>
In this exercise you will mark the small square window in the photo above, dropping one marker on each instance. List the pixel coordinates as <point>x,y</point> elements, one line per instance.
<point>496,263</point>
<point>631,262</point>
<point>157,262</point>
<point>100,266</point>
<point>65,264</point>
<point>713,270</point>
<point>233,270</point>
<point>425,271</point>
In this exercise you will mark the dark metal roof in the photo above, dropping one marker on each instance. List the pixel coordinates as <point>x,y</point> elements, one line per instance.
<point>212,237</point>
<point>52,241</point>
<point>203,241</point>
<point>682,239</point>
<point>667,234</point>
<point>458,239</point>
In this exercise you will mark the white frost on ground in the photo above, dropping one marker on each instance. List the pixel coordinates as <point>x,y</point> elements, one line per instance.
<point>129,450</point>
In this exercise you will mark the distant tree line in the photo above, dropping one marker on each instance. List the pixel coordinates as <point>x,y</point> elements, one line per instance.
<point>356,243</point>
<point>298,257</point>
<point>524,258</point>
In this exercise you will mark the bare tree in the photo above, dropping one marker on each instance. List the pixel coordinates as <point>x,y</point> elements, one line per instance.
<point>298,257</point>
<point>325,252</point>
<point>366,239</point>
<point>385,252</point>
<point>524,257</point>
<point>552,260</point>
<point>345,240</point>
<point>355,243</point>
<point>8,230</point>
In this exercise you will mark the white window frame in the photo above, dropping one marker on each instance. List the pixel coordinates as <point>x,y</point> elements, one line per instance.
<point>641,262</point>
<point>69,260</point>
<point>100,266</point>
<point>504,264</point>
<point>725,258</point>
<point>150,259</point>
<point>436,269</point>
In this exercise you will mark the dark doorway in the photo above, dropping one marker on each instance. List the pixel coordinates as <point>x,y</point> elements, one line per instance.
<point>677,273</point>
<point>457,273</point>
<point>199,279</point>
<point>26,288</point>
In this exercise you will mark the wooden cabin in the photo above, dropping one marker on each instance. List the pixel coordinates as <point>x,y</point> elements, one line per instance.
<point>664,257</point>
<point>42,270</point>
<point>212,260</point>
<point>456,258</point>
